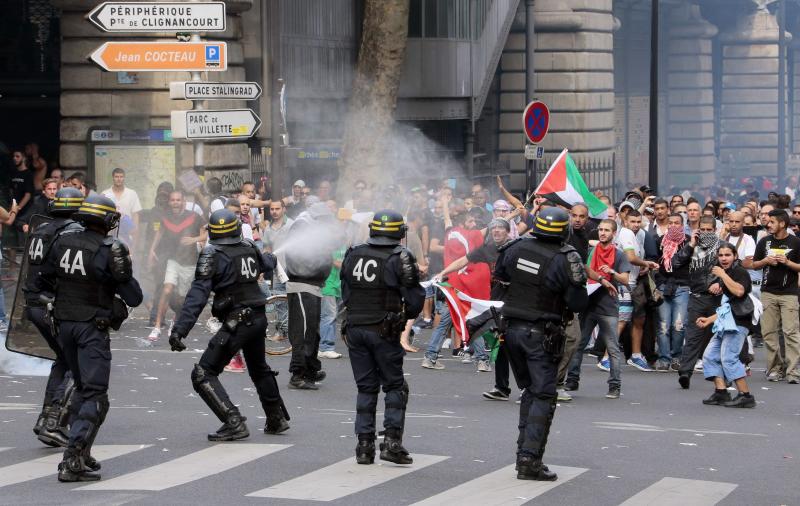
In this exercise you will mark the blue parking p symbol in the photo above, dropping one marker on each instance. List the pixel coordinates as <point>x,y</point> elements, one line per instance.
<point>212,54</point>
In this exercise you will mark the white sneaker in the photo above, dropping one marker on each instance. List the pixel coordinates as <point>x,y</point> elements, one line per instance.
<point>329,354</point>
<point>699,366</point>
<point>155,335</point>
<point>467,359</point>
<point>483,366</point>
<point>428,364</point>
<point>563,396</point>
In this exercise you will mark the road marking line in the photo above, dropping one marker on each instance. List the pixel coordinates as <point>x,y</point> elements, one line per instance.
<point>500,487</point>
<point>47,466</point>
<point>343,478</point>
<point>13,406</point>
<point>656,428</point>
<point>197,465</point>
<point>671,491</point>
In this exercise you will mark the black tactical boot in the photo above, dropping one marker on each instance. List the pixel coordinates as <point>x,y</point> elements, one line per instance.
<point>50,433</point>
<point>232,430</point>
<point>73,468</point>
<point>276,422</point>
<point>37,428</point>
<point>365,451</point>
<point>298,382</point>
<point>392,448</point>
<point>531,468</point>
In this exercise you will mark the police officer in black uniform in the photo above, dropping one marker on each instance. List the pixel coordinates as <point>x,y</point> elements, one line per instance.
<point>381,290</point>
<point>89,270</point>
<point>231,266</point>
<point>546,280</point>
<point>51,426</point>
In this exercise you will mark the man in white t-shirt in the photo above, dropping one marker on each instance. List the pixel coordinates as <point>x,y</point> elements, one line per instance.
<point>630,239</point>
<point>128,205</point>
<point>746,247</point>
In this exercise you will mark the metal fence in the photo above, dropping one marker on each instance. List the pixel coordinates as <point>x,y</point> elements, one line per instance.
<point>599,174</point>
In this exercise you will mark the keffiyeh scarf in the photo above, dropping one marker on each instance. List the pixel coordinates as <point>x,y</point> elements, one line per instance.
<point>670,244</point>
<point>705,254</point>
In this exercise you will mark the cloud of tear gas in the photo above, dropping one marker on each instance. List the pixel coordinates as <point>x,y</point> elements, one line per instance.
<point>22,365</point>
<point>313,238</point>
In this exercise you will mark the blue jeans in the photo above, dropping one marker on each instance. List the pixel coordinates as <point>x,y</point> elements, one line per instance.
<point>478,347</point>
<point>672,314</point>
<point>327,323</point>
<point>440,332</point>
<point>721,358</point>
<point>607,332</point>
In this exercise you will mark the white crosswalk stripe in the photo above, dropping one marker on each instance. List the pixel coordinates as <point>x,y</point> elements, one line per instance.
<point>671,491</point>
<point>500,487</point>
<point>47,466</point>
<point>197,465</point>
<point>342,479</point>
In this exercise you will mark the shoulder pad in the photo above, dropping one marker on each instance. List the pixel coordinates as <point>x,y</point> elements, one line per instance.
<point>566,248</point>
<point>206,263</point>
<point>108,240</point>
<point>358,246</point>
<point>509,244</point>
<point>398,249</point>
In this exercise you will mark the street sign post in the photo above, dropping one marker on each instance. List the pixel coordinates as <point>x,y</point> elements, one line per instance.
<point>214,124</point>
<point>536,121</point>
<point>205,90</point>
<point>162,56</point>
<point>150,17</point>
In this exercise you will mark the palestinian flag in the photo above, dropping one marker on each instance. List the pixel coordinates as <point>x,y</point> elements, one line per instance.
<point>463,307</point>
<point>564,186</point>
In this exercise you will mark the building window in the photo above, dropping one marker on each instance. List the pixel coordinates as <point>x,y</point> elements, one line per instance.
<point>444,19</point>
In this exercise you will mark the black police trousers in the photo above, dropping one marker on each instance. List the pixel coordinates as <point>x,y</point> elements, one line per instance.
<point>250,339</point>
<point>696,339</point>
<point>377,363</point>
<point>87,351</point>
<point>304,315</point>
<point>535,371</point>
<point>58,378</point>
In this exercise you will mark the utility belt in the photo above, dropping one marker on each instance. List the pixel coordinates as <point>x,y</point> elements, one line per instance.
<point>554,334</point>
<point>390,328</point>
<point>241,316</point>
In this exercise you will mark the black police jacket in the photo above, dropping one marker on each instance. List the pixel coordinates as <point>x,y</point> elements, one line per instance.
<point>81,266</point>
<point>362,278</point>
<point>219,268</point>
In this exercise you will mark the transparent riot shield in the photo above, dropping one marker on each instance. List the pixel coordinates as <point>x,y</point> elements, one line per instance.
<point>23,336</point>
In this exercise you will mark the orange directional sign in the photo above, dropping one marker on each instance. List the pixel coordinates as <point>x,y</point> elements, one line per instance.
<point>162,56</point>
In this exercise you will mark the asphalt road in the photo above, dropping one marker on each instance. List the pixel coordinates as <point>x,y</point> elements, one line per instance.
<point>656,445</point>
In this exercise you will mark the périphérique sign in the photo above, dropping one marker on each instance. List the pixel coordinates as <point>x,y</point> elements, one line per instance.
<point>154,17</point>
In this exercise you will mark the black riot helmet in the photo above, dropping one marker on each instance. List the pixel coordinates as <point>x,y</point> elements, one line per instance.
<point>68,201</point>
<point>98,210</point>
<point>551,223</point>
<point>387,228</point>
<point>224,227</point>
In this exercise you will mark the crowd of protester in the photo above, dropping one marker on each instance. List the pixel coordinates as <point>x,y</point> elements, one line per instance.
<point>688,282</point>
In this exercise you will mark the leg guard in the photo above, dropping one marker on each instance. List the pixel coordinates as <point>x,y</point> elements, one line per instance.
<point>366,404</point>
<point>209,388</point>
<point>537,427</point>
<point>394,416</point>
<point>524,410</point>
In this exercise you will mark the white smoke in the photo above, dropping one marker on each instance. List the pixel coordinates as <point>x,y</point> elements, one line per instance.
<point>22,365</point>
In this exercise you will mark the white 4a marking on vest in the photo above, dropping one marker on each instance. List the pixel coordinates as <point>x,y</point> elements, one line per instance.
<point>528,266</point>
<point>36,251</point>
<point>76,265</point>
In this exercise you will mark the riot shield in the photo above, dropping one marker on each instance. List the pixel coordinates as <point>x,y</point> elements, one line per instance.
<point>23,336</point>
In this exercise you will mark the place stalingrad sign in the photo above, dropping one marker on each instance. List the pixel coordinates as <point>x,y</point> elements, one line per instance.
<point>214,124</point>
<point>162,56</point>
<point>205,90</point>
<point>159,17</point>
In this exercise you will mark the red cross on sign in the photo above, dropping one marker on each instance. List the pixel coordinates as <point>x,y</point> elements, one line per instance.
<point>536,121</point>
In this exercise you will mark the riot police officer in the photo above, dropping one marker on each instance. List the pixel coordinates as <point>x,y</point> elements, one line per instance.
<point>230,267</point>
<point>89,270</point>
<point>51,426</point>
<point>546,280</point>
<point>381,290</point>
